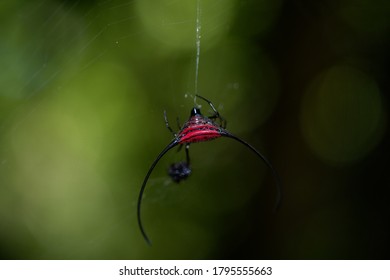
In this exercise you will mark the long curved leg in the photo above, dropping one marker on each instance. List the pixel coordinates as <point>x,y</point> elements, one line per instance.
<point>141,192</point>
<point>266,161</point>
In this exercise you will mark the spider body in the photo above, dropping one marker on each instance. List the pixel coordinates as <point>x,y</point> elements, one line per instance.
<point>198,128</point>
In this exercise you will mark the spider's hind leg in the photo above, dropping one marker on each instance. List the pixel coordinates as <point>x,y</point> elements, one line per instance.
<point>188,154</point>
<point>180,147</point>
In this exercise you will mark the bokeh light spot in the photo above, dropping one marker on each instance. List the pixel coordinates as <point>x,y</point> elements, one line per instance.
<point>369,17</point>
<point>342,115</point>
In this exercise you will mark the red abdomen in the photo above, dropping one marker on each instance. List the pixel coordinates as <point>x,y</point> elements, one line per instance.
<point>199,129</point>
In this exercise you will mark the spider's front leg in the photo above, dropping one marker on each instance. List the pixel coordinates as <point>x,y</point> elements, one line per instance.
<point>178,123</point>
<point>167,124</point>
<point>222,121</point>
<point>216,116</point>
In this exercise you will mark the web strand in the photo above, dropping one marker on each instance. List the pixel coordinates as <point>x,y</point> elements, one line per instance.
<point>198,27</point>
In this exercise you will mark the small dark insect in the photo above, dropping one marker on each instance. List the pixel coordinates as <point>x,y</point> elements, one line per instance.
<point>198,128</point>
<point>179,171</point>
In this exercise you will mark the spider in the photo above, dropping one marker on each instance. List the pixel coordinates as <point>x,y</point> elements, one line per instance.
<point>198,128</point>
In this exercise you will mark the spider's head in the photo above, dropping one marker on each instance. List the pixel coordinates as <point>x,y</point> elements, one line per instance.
<point>195,111</point>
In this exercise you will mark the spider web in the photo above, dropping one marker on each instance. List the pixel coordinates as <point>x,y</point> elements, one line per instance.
<point>82,95</point>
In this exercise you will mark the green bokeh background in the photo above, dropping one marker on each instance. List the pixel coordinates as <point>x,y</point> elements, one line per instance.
<point>82,92</point>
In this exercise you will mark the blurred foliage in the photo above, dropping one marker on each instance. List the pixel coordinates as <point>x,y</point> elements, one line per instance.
<point>82,92</point>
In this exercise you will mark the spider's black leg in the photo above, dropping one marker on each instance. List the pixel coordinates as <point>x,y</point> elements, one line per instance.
<point>180,147</point>
<point>222,121</point>
<point>178,123</point>
<point>179,126</point>
<point>210,104</point>
<point>188,154</point>
<point>174,143</point>
<point>216,113</point>
<point>266,161</point>
<point>167,124</point>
